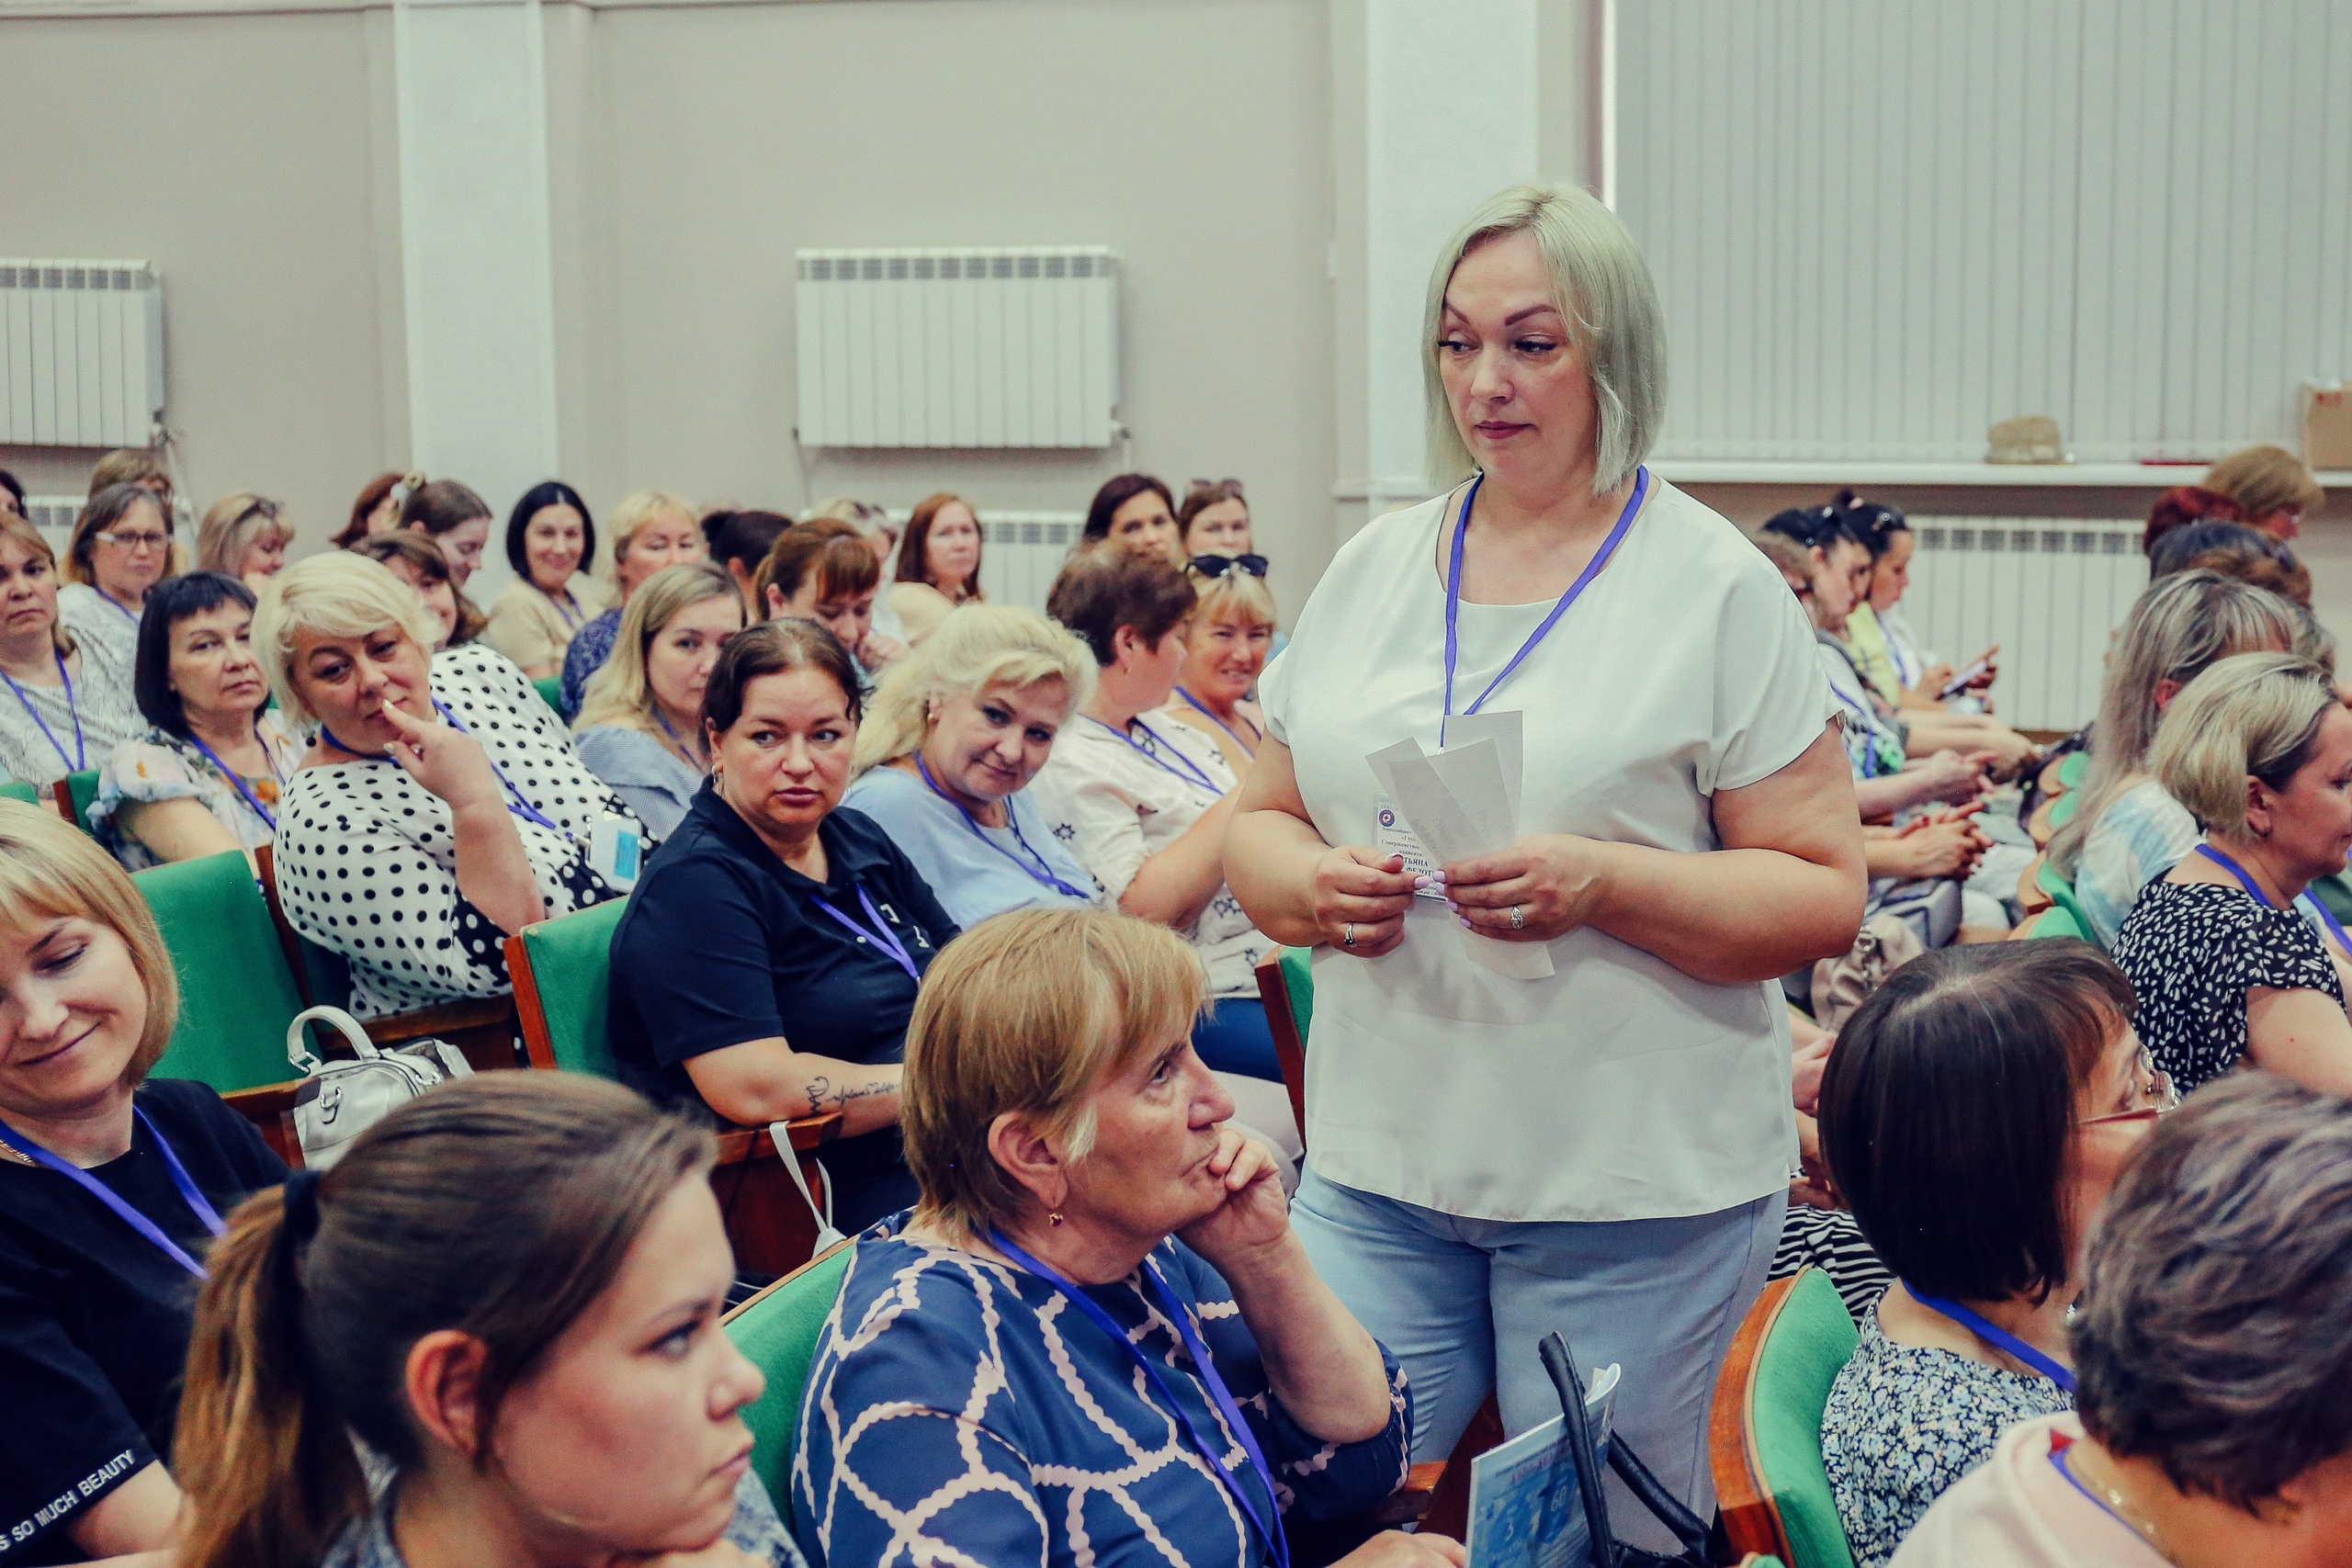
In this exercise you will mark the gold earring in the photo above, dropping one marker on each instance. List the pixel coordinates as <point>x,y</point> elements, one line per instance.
<point>1053,1217</point>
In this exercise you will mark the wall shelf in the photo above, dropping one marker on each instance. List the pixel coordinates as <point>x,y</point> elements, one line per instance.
<point>2112,476</point>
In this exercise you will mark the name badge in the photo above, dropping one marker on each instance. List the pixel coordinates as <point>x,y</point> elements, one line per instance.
<point>616,852</point>
<point>1393,838</point>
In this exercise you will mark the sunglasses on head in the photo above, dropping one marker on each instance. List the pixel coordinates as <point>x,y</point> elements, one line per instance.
<point>1218,566</point>
<point>1228,490</point>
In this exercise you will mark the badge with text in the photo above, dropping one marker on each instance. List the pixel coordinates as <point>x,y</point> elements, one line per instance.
<point>1393,838</point>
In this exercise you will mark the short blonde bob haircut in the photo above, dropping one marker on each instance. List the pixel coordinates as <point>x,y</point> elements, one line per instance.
<point>47,866</point>
<point>1602,286</point>
<point>976,647</point>
<point>635,511</point>
<point>619,693</point>
<point>2250,715</point>
<point>233,524</point>
<point>339,593</point>
<point>1029,1013</point>
<point>1236,596</point>
<point>2265,480</point>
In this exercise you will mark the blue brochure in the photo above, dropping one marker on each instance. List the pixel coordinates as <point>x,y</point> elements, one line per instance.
<point>1524,1508</point>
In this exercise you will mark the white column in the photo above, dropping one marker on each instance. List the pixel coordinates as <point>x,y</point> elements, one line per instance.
<point>478,275</point>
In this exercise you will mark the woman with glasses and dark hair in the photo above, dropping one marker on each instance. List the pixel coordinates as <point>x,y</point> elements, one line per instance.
<point>939,565</point>
<point>206,779</point>
<point>245,537</point>
<point>1226,644</point>
<point>551,543</point>
<point>121,548</point>
<point>1136,512</point>
<point>1975,1112</point>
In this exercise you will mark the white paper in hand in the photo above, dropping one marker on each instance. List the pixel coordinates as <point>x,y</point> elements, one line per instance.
<point>1458,806</point>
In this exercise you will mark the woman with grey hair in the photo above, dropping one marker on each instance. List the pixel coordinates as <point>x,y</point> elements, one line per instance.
<point>2259,750</point>
<point>2212,1355</point>
<point>2127,830</point>
<point>1592,1130</point>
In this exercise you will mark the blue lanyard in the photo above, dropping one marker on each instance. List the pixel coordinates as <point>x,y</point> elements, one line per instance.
<point>1183,768</point>
<point>202,1210</point>
<point>881,935</point>
<point>2059,1447</point>
<point>1044,873</point>
<point>514,801</point>
<point>1992,1335</point>
<point>1453,595</point>
<point>1248,746</point>
<point>675,739</point>
<point>127,613</point>
<point>264,812</point>
<point>80,760</point>
<point>2246,880</point>
<point>1904,675</point>
<point>571,617</point>
<point>1203,1365</point>
<point>1869,717</point>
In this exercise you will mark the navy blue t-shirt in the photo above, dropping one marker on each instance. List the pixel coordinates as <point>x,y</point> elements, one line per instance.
<point>94,1316</point>
<point>723,943</point>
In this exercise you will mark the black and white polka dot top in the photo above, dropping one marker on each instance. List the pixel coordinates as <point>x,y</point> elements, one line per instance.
<point>367,862</point>
<point>2192,950</point>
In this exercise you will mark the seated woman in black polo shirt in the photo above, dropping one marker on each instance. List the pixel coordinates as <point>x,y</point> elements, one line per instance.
<point>768,961</point>
<point>110,1191</point>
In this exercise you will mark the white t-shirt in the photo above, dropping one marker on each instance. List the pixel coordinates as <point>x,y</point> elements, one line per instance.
<point>1621,1088</point>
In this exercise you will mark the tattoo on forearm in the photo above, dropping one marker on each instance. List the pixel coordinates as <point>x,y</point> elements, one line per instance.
<point>823,1096</point>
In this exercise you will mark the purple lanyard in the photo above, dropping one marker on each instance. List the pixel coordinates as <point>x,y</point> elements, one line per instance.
<point>881,935</point>
<point>127,613</point>
<point>675,739</point>
<point>514,801</point>
<point>1213,718</point>
<point>80,760</point>
<point>2246,880</point>
<point>1992,1334</point>
<point>1453,595</point>
<point>1190,772</point>
<point>571,617</point>
<point>1044,873</point>
<point>269,816</point>
<point>202,1210</point>
<point>1277,1544</point>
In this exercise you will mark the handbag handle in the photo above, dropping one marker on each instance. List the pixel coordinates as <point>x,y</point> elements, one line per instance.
<point>298,1047</point>
<point>826,1235</point>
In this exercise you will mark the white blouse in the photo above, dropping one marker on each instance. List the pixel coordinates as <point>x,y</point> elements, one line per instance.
<point>1114,805</point>
<point>366,859</point>
<point>105,630</point>
<point>44,737</point>
<point>1619,1087</point>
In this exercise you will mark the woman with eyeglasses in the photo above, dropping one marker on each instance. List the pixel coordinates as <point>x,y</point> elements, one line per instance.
<point>205,778</point>
<point>65,709</point>
<point>1227,643</point>
<point>245,537</point>
<point>1974,1115</point>
<point>939,565</point>
<point>121,548</point>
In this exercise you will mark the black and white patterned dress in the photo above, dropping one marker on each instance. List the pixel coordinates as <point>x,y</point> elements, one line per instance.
<point>367,861</point>
<point>2192,950</point>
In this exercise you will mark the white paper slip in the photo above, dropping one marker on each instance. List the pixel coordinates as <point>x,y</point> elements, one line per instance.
<point>1526,1510</point>
<point>1391,837</point>
<point>1458,805</point>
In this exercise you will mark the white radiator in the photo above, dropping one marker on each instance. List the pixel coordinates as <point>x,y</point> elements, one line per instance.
<point>83,346</point>
<point>2051,591</point>
<point>1022,552</point>
<point>959,348</point>
<point>55,515</point>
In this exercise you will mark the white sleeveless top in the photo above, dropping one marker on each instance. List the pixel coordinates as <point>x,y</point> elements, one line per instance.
<point>1621,1088</point>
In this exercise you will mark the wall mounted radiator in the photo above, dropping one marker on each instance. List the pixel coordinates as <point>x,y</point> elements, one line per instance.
<point>81,354</point>
<point>2051,591</point>
<point>1013,347</point>
<point>1022,553</point>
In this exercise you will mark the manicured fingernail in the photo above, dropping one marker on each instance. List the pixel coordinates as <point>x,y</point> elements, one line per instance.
<point>1438,876</point>
<point>1452,906</point>
<point>1420,883</point>
<point>1465,924</point>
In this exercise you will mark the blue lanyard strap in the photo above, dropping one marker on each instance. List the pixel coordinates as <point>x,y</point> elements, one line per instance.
<point>1584,579</point>
<point>1271,1533</point>
<point>197,1202</point>
<point>1182,767</point>
<point>1204,712</point>
<point>80,760</point>
<point>2246,880</point>
<point>514,801</point>
<point>1041,874</point>
<point>881,935</point>
<point>269,816</point>
<point>1992,1334</point>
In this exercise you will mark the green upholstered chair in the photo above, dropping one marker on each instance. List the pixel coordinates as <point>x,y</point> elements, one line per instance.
<point>777,1331</point>
<point>550,690</point>
<point>237,994</point>
<point>1286,985</point>
<point>2062,894</point>
<point>2057,920</point>
<point>16,789</point>
<point>2074,768</point>
<point>558,969</point>
<point>1764,1436</point>
<point>2335,895</point>
<point>75,795</point>
<point>2065,806</point>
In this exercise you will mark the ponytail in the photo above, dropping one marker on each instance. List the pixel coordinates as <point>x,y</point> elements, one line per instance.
<point>268,1468</point>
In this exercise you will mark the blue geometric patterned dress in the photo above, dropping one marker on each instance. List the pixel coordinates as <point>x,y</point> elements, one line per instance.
<point>960,1411</point>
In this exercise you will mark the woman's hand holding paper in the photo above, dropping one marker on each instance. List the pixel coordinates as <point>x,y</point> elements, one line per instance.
<point>1554,880</point>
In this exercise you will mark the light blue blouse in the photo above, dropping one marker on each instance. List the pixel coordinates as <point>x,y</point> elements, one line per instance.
<point>975,872</point>
<point>651,779</point>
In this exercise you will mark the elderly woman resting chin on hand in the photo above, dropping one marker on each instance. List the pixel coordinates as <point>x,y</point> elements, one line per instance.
<point>1087,1216</point>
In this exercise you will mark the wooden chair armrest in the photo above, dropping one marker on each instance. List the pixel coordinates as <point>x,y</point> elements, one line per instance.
<point>2032,898</point>
<point>1408,1503</point>
<point>2038,828</point>
<point>737,1145</point>
<point>484,1028</point>
<point>270,1108</point>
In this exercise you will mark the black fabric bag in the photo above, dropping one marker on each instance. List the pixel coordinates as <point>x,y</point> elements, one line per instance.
<point>1607,1551</point>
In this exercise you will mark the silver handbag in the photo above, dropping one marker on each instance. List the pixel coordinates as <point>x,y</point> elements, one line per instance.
<point>339,1100</point>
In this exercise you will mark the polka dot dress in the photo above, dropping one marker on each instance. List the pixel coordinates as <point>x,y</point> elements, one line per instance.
<point>2192,950</point>
<point>366,858</point>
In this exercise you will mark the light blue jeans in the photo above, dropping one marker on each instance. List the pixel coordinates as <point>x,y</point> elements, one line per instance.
<point>1463,1304</point>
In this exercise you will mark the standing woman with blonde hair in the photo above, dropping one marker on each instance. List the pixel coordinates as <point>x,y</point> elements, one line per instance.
<point>245,537</point>
<point>939,565</point>
<point>112,1186</point>
<point>640,724</point>
<point>1603,1145</point>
